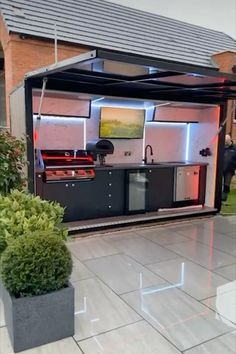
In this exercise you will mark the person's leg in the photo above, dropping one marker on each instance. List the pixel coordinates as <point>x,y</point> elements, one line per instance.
<point>226,189</point>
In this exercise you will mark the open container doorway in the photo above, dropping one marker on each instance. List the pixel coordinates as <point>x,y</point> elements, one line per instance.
<point>185,108</point>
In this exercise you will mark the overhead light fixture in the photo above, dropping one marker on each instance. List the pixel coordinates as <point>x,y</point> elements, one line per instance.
<point>118,104</point>
<point>195,75</point>
<point>160,105</point>
<point>98,99</point>
<point>179,124</point>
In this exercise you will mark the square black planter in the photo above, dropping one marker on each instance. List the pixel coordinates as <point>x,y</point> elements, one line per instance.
<point>38,320</point>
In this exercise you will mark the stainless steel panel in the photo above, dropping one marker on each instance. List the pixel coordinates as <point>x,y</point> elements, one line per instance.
<point>186,183</point>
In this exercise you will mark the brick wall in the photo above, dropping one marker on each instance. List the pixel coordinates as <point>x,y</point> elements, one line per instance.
<point>24,55</point>
<point>226,61</point>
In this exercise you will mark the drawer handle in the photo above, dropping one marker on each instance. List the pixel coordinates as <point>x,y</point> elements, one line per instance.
<point>110,184</point>
<point>109,206</point>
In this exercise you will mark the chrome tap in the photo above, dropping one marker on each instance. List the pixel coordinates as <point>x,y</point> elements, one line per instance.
<point>145,155</point>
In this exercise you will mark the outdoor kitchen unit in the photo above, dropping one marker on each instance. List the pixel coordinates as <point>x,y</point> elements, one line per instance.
<point>134,101</point>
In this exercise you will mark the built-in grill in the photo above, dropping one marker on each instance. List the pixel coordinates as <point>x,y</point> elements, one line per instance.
<point>65,165</point>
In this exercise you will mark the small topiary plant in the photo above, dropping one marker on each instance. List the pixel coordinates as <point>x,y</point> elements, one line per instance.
<point>22,213</point>
<point>36,264</point>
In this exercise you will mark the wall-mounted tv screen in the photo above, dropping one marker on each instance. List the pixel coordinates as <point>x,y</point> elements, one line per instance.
<point>121,123</point>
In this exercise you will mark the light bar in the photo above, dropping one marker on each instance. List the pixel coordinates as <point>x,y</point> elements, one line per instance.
<point>167,123</point>
<point>187,142</point>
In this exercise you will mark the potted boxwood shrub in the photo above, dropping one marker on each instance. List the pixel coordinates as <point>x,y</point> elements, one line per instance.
<point>21,213</point>
<point>38,298</point>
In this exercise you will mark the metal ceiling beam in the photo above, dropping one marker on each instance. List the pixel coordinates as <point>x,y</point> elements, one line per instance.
<point>216,84</point>
<point>103,90</point>
<point>95,74</point>
<point>71,77</point>
<point>146,78</point>
<point>156,75</point>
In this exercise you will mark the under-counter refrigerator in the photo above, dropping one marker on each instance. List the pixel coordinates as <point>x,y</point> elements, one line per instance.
<point>186,185</point>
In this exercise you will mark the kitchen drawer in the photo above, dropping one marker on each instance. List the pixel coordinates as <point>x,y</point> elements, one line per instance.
<point>109,193</point>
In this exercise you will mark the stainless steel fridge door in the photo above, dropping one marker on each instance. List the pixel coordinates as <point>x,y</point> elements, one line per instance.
<point>186,183</point>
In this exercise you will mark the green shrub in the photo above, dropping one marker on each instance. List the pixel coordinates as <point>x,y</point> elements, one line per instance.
<point>35,264</point>
<point>22,213</point>
<point>3,243</point>
<point>12,162</point>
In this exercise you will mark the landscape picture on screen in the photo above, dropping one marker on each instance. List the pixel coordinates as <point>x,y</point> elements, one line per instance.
<point>122,123</point>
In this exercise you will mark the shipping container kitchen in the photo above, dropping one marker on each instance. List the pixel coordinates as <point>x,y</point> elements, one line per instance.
<point>119,138</point>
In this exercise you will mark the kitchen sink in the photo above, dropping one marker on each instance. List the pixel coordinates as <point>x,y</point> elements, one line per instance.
<point>165,163</point>
<point>155,164</point>
<point>152,164</point>
<point>174,163</point>
<point>103,166</point>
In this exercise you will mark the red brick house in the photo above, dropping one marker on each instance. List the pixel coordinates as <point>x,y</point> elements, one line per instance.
<point>28,30</point>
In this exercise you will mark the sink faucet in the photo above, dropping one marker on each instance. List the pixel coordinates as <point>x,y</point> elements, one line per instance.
<point>145,155</point>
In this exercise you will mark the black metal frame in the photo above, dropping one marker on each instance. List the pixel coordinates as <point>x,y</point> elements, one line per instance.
<point>220,160</point>
<point>30,134</point>
<point>65,76</point>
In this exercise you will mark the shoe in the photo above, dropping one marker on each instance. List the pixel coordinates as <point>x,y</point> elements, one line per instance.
<point>224,196</point>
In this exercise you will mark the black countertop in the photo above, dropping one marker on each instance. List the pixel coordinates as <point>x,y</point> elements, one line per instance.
<point>128,166</point>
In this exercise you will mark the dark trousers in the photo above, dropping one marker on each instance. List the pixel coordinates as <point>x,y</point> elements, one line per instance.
<point>227,178</point>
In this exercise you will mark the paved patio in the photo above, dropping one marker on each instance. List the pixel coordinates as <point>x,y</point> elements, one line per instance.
<point>159,289</point>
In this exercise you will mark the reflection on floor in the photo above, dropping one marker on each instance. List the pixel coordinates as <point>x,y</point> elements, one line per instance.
<point>157,289</point>
<point>143,218</point>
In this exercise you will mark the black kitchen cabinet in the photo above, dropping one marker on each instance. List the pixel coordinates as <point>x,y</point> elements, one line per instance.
<point>75,197</point>
<point>109,192</point>
<point>149,189</point>
<point>116,192</point>
<point>101,197</point>
<point>159,188</point>
<point>202,185</point>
